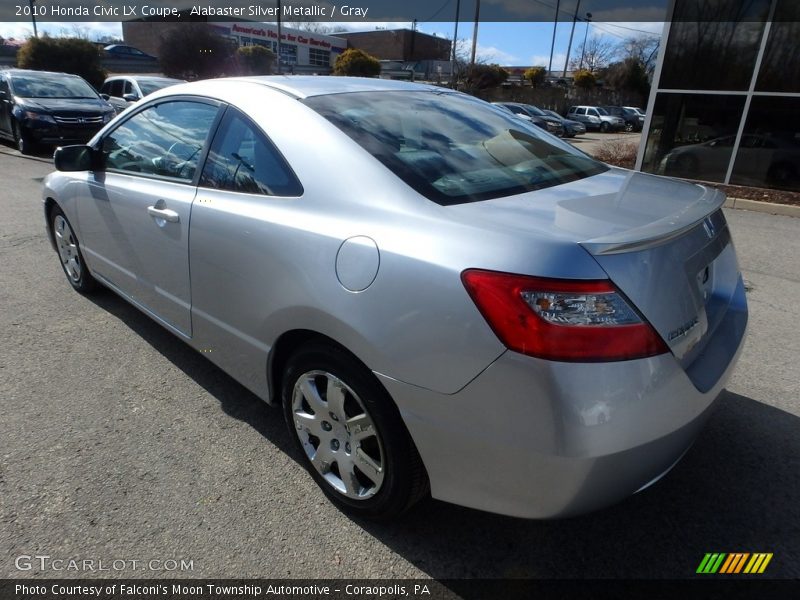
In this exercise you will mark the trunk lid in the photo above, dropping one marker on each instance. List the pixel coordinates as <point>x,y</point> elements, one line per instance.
<point>664,243</point>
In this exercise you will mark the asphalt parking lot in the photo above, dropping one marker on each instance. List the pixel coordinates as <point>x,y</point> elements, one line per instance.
<point>118,442</point>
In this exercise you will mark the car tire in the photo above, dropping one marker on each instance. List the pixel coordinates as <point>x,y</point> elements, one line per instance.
<point>69,253</point>
<point>23,141</point>
<point>353,443</point>
<point>686,166</point>
<point>604,127</point>
<point>629,127</point>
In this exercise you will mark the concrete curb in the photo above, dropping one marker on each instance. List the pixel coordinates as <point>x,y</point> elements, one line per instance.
<point>784,210</point>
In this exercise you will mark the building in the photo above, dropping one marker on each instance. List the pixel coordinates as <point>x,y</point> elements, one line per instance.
<point>301,51</point>
<point>399,44</point>
<point>725,101</point>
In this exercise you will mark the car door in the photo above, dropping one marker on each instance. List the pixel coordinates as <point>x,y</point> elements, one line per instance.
<point>239,241</point>
<point>135,218</point>
<point>5,106</point>
<point>580,115</point>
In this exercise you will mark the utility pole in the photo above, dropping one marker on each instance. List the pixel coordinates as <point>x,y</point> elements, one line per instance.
<point>553,43</point>
<point>455,44</point>
<point>475,31</point>
<point>33,17</point>
<point>280,72</point>
<point>571,33</point>
<point>585,34</point>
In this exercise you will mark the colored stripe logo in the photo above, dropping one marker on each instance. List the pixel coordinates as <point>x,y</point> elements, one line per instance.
<point>734,563</point>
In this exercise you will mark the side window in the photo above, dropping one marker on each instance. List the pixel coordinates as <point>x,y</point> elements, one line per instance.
<point>116,88</point>
<point>580,111</point>
<point>164,140</point>
<point>106,89</point>
<point>593,112</point>
<point>128,88</point>
<point>242,159</point>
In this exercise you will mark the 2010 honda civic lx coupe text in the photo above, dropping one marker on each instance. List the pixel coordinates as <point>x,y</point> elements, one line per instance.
<point>443,298</point>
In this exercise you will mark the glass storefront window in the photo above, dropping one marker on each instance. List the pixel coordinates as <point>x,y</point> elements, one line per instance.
<point>288,54</point>
<point>713,44</point>
<point>769,153</point>
<point>779,67</point>
<point>692,135</point>
<point>319,58</point>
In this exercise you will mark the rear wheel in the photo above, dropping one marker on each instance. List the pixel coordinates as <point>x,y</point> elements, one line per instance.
<point>350,434</point>
<point>70,253</point>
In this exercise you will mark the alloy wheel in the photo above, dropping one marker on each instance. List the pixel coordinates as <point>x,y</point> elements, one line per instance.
<point>67,248</point>
<point>338,435</point>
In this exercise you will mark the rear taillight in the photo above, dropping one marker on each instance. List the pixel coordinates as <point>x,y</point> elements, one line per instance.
<point>562,319</point>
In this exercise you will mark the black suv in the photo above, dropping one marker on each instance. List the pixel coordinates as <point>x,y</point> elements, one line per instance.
<point>49,108</point>
<point>633,120</point>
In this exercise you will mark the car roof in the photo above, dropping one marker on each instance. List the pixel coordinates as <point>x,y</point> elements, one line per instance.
<point>305,86</point>
<point>141,78</point>
<point>37,72</point>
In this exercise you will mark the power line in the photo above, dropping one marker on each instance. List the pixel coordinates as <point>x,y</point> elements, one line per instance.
<point>434,15</point>
<point>632,29</point>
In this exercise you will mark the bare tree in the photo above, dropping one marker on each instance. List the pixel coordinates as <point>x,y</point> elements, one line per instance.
<point>597,53</point>
<point>643,49</point>
<point>317,27</point>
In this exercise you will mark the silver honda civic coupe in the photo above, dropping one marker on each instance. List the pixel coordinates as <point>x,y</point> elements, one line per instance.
<point>444,299</point>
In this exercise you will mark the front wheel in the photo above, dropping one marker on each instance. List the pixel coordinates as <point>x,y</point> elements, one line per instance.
<point>350,434</point>
<point>70,253</point>
<point>629,127</point>
<point>23,141</point>
<point>604,127</point>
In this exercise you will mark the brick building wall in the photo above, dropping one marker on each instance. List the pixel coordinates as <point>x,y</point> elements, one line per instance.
<point>399,44</point>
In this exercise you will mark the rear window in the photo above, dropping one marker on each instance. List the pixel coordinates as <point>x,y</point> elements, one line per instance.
<point>452,148</point>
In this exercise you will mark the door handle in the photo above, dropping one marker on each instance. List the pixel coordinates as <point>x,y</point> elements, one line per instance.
<point>163,213</point>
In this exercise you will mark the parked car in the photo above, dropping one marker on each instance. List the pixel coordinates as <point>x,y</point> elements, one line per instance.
<point>546,122</point>
<point>571,128</point>
<point>595,117</point>
<point>40,107</point>
<point>633,120</point>
<point>123,51</point>
<point>441,296</point>
<point>636,109</point>
<point>123,90</point>
<point>761,159</point>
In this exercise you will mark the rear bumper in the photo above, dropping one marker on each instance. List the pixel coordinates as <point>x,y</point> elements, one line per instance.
<point>540,439</point>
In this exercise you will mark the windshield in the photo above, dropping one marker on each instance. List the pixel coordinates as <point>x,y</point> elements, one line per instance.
<point>148,86</point>
<point>453,148</point>
<point>534,111</point>
<point>47,85</point>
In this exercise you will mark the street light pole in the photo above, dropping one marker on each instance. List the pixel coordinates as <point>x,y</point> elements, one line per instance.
<point>585,33</point>
<point>33,17</point>
<point>475,31</point>
<point>455,43</point>
<point>571,33</point>
<point>279,38</point>
<point>553,43</point>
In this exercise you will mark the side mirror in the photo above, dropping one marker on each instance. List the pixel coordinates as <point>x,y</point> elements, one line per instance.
<point>105,96</point>
<point>76,158</point>
<point>130,97</point>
